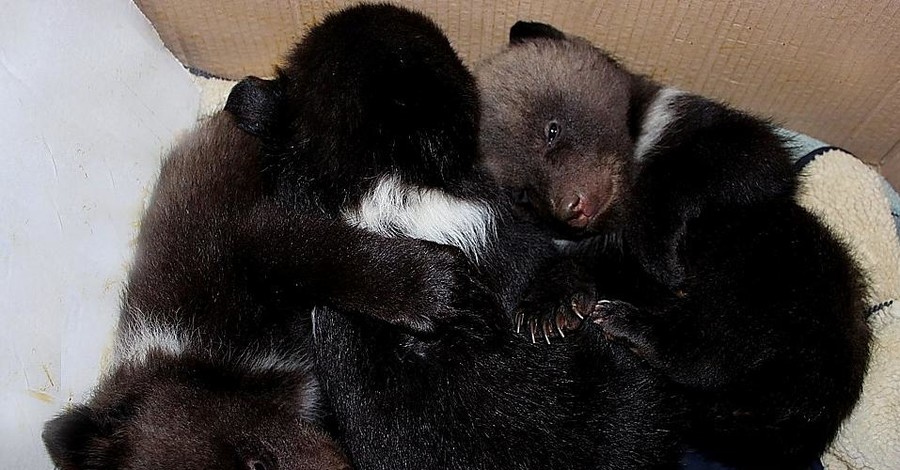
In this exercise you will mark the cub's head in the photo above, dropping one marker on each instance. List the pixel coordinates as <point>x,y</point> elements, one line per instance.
<point>191,418</point>
<point>555,127</point>
<point>373,90</point>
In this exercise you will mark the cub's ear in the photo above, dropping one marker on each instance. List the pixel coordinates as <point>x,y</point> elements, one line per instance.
<point>81,438</point>
<point>253,102</point>
<point>524,31</point>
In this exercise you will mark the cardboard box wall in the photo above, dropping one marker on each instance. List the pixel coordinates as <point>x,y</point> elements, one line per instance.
<point>830,69</point>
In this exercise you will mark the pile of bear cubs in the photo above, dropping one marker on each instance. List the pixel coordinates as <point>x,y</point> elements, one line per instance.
<point>378,260</point>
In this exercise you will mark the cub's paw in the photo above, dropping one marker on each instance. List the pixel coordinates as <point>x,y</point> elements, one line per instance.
<point>543,319</point>
<point>563,294</point>
<point>622,322</point>
<point>449,287</point>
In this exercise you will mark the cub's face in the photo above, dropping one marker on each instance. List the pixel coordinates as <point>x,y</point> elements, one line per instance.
<point>167,424</point>
<point>554,130</point>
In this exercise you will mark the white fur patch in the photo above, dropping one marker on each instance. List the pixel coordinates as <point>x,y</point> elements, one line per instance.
<point>561,244</point>
<point>659,115</point>
<point>273,361</point>
<point>143,336</point>
<point>394,208</point>
<point>311,398</point>
<point>312,315</point>
<point>296,361</point>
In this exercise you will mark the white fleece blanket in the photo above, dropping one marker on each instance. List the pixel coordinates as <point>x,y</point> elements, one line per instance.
<point>851,198</point>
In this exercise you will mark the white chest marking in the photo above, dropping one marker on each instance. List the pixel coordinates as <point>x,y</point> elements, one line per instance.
<point>659,115</point>
<point>393,208</point>
<point>143,336</point>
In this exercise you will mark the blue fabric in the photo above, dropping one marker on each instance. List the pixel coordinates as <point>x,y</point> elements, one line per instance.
<point>895,202</point>
<point>692,460</point>
<point>800,143</point>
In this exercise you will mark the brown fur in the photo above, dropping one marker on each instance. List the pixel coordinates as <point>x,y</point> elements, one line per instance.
<point>211,370</point>
<point>590,98</point>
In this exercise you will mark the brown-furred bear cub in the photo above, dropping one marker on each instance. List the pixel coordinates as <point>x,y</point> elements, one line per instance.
<point>206,375</point>
<point>684,240</point>
<point>213,364</point>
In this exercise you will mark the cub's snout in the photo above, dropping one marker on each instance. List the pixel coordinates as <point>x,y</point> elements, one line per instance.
<point>583,203</point>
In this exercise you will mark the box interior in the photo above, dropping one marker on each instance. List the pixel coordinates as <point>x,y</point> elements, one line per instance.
<point>830,69</point>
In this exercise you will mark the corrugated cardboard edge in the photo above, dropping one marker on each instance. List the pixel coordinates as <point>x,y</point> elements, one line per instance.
<point>830,70</point>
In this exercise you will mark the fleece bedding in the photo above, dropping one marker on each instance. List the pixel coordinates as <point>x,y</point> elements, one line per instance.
<point>855,203</point>
<point>864,210</point>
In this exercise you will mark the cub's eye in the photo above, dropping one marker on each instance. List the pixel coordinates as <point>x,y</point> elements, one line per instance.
<point>254,464</point>
<point>520,196</point>
<point>552,130</point>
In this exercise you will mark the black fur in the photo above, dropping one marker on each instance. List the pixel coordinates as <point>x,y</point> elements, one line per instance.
<point>715,275</point>
<point>255,98</point>
<point>378,90</point>
<point>229,272</point>
<point>232,272</point>
<point>524,30</point>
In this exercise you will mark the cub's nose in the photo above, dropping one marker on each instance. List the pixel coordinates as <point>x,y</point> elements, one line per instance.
<point>576,210</point>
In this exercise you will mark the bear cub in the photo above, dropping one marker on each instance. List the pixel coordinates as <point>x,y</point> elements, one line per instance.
<point>373,121</point>
<point>680,237</point>
<point>208,371</point>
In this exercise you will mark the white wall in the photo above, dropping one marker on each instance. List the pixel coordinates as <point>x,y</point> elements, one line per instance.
<point>89,101</point>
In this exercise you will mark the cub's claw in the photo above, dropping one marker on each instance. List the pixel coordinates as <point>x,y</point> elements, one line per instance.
<point>558,321</point>
<point>534,325</point>
<point>559,329</point>
<point>574,306</point>
<point>605,311</point>
<point>624,323</point>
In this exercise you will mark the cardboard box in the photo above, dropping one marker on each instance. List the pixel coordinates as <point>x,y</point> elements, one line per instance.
<point>92,100</point>
<point>830,69</point>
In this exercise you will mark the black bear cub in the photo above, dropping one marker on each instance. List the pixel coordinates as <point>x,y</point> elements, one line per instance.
<point>684,241</point>
<point>214,367</point>
<point>373,122</point>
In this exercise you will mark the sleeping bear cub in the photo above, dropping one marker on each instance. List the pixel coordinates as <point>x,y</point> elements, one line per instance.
<point>213,362</point>
<point>211,370</point>
<point>683,240</point>
<point>373,122</point>
<point>214,366</point>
